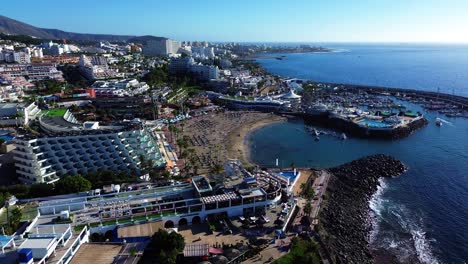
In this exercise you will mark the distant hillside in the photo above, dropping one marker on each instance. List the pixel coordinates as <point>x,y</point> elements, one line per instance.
<point>15,27</point>
<point>144,39</point>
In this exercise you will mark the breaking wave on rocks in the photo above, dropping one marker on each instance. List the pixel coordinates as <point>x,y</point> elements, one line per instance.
<point>397,231</point>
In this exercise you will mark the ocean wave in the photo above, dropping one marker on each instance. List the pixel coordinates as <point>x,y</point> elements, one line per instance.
<point>398,230</point>
<point>423,249</point>
<point>412,228</point>
<point>376,204</point>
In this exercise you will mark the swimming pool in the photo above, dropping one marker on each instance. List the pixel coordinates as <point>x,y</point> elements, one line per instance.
<point>290,175</point>
<point>7,137</point>
<point>373,123</point>
<point>4,240</point>
<point>4,134</point>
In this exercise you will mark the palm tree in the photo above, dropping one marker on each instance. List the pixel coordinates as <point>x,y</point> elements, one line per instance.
<point>217,168</point>
<point>308,208</point>
<point>303,187</point>
<point>293,165</point>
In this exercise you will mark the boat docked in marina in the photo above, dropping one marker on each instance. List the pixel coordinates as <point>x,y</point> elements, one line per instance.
<point>343,136</point>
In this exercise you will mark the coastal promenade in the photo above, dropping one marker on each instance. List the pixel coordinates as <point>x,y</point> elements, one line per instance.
<point>319,185</point>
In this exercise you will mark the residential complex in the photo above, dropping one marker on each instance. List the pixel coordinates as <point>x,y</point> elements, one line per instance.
<point>34,72</point>
<point>119,88</point>
<point>95,67</point>
<point>188,65</point>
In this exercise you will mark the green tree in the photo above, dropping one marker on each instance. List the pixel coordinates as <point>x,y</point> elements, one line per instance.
<point>293,165</point>
<point>166,174</point>
<point>73,184</point>
<point>303,187</point>
<point>308,208</point>
<point>217,168</point>
<point>2,141</point>
<point>41,190</point>
<point>163,248</point>
<point>15,217</point>
<point>303,251</point>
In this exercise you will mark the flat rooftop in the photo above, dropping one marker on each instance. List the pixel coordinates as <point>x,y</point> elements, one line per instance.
<point>201,184</point>
<point>96,253</point>
<point>37,243</point>
<point>249,193</point>
<point>9,109</point>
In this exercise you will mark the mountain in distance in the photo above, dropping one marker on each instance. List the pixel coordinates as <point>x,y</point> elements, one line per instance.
<point>15,27</point>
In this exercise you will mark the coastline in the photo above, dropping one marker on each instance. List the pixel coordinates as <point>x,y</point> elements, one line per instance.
<point>344,219</point>
<point>238,145</point>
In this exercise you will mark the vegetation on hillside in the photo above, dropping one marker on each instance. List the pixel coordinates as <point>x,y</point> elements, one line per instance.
<point>21,38</point>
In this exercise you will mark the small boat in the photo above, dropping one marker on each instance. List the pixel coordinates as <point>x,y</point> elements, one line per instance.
<point>438,122</point>
<point>343,136</point>
<point>316,133</point>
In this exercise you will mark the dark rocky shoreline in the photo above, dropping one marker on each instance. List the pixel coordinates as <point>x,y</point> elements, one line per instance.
<point>344,221</point>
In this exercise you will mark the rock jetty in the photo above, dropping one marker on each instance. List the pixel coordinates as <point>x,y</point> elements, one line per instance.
<point>344,226</point>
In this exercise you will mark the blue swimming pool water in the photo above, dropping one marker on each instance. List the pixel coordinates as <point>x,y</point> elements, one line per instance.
<point>289,174</point>
<point>373,123</point>
<point>7,137</point>
<point>4,240</point>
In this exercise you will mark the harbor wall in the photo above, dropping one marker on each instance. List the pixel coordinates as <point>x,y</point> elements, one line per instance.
<point>356,130</point>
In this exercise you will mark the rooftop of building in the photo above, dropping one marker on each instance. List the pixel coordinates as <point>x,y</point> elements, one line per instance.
<point>10,109</point>
<point>56,112</point>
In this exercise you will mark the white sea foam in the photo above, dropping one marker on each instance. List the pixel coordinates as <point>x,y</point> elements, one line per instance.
<point>423,248</point>
<point>418,245</point>
<point>376,204</point>
<point>414,226</point>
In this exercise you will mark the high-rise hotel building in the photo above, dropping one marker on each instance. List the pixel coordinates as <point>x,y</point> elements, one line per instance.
<point>68,148</point>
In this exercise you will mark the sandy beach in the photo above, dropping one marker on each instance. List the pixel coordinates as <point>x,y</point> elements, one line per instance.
<point>220,136</point>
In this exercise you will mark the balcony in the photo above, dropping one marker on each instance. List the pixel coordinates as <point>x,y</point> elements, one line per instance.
<point>23,159</point>
<point>51,178</point>
<point>26,173</point>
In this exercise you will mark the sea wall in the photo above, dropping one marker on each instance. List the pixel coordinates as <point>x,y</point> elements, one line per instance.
<point>344,225</point>
<point>354,129</point>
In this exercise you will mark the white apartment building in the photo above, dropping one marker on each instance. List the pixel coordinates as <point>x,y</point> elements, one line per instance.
<point>34,72</point>
<point>124,87</point>
<point>203,52</point>
<point>204,72</point>
<point>162,47</point>
<point>95,67</point>
<point>188,65</point>
<point>15,56</point>
<point>46,159</point>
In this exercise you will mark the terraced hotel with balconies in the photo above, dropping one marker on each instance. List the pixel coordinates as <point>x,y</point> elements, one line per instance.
<point>88,148</point>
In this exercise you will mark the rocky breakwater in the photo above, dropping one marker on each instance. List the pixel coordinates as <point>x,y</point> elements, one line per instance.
<point>344,220</point>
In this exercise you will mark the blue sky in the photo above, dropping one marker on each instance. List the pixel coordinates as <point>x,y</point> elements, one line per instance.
<point>255,20</point>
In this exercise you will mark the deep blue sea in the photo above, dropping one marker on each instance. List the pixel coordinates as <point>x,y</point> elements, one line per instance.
<point>423,213</point>
<point>423,67</point>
